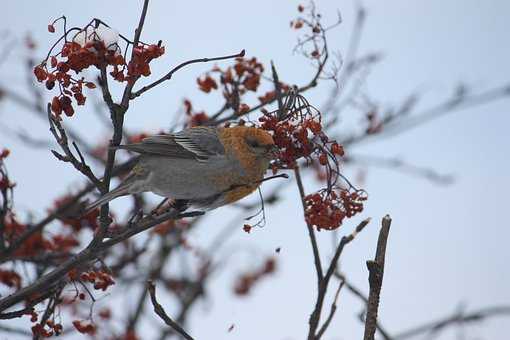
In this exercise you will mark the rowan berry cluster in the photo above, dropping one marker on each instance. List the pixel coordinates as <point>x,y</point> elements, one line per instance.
<point>10,278</point>
<point>99,278</point>
<point>298,132</point>
<point>327,210</point>
<point>41,331</point>
<point>84,327</point>
<point>36,243</point>
<point>194,118</point>
<point>246,281</point>
<point>139,65</point>
<point>235,81</point>
<point>78,221</point>
<point>95,45</point>
<point>312,43</point>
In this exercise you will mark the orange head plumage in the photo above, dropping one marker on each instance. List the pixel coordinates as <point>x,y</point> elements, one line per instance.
<point>244,141</point>
<point>253,148</point>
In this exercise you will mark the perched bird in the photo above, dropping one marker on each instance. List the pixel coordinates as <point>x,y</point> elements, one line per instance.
<point>206,167</point>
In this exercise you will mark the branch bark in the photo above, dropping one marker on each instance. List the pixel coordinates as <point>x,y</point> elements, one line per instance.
<point>170,74</point>
<point>375,279</point>
<point>158,309</point>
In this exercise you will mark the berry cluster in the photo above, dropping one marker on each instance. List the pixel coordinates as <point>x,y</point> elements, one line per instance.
<point>39,330</point>
<point>10,278</point>
<point>297,131</point>
<point>84,327</point>
<point>77,221</point>
<point>93,45</point>
<point>139,65</point>
<point>73,57</point>
<point>327,210</point>
<point>244,76</point>
<point>298,134</point>
<point>312,43</point>
<point>246,281</point>
<point>194,118</point>
<point>101,279</point>
<point>37,244</point>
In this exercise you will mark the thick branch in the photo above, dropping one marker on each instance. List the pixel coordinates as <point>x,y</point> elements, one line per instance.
<point>357,292</point>
<point>376,273</point>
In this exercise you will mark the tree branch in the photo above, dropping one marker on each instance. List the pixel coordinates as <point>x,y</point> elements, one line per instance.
<point>169,75</point>
<point>376,273</point>
<point>311,232</point>
<point>158,309</point>
<point>61,138</point>
<point>324,283</point>
<point>456,318</point>
<point>357,292</point>
<point>92,252</point>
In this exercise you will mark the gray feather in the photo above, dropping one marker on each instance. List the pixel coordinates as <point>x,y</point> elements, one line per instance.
<point>198,143</point>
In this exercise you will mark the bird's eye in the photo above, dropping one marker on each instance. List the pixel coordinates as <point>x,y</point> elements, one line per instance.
<point>253,143</point>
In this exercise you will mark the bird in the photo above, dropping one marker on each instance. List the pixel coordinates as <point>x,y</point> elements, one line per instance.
<point>205,167</point>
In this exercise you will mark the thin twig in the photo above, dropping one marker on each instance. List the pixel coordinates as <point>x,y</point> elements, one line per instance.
<point>158,262</point>
<point>158,309</point>
<point>456,318</point>
<point>331,312</point>
<point>169,75</point>
<point>324,283</point>
<point>126,97</point>
<point>311,232</point>
<point>395,126</point>
<point>401,166</point>
<point>50,309</point>
<point>61,138</point>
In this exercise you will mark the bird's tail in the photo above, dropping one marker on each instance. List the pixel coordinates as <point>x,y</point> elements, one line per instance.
<point>121,190</point>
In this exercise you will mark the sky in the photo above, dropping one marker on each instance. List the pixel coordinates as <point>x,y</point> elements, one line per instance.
<point>448,246</point>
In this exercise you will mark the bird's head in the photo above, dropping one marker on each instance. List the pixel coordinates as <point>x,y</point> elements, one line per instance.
<point>260,142</point>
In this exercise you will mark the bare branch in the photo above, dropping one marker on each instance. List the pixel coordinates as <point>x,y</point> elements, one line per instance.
<point>357,292</point>
<point>401,166</point>
<point>169,75</point>
<point>455,319</point>
<point>331,312</point>
<point>376,273</point>
<point>324,283</point>
<point>158,309</point>
<point>311,232</point>
<point>61,138</point>
<point>395,125</point>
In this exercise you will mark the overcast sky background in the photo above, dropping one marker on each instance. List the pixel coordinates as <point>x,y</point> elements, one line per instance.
<point>448,244</point>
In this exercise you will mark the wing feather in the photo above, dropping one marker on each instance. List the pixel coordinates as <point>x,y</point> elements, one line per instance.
<point>198,143</point>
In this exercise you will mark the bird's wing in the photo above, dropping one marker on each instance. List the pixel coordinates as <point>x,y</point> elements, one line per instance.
<point>198,143</point>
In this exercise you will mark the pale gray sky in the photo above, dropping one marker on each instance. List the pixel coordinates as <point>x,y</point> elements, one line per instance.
<point>448,245</point>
